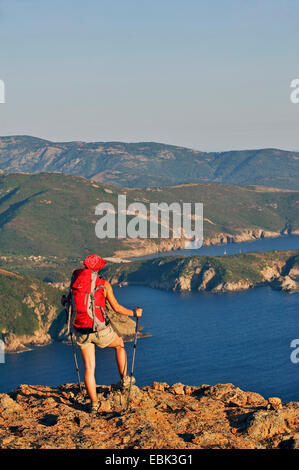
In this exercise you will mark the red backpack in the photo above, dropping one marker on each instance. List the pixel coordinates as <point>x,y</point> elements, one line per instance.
<point>87,300</point>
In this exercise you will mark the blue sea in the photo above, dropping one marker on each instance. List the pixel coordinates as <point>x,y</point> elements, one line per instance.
<point>197,338</point>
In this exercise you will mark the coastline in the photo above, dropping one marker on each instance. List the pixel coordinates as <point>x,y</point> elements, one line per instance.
<point>16,344</point>
<point>232,273</point>
<point>148,247</point>
<point>189,273</point>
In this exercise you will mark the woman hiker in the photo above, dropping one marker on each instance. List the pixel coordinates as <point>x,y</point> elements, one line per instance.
<point>90,324</point>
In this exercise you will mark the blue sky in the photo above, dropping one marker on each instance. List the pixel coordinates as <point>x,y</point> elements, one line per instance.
<point>211,75</point>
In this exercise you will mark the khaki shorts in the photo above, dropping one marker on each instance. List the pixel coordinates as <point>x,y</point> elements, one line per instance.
<point>101,338</point>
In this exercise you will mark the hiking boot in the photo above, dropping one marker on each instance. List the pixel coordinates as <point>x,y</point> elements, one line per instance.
<point>125,382</point>
<point>94,407</point>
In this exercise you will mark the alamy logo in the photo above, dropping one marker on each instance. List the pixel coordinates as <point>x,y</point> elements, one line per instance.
<point>295,354</point>
<point>2,91</point>
<point>294,97</point>
<point>2,352</point>
<point>151,223</point>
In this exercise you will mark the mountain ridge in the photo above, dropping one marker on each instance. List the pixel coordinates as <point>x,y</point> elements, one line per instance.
<point>149,164</point>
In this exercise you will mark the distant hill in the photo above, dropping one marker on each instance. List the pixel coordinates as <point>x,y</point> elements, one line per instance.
<point>149,164</point>
<point>54,215</point>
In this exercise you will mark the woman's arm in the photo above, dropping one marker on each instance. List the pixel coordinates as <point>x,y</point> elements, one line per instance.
<point>116,306</point>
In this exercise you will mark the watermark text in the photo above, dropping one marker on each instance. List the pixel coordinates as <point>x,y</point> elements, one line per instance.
<point>2,352</point>
<point>295,353</point>
<point>137,220</point>
<point>294,96</point>
<point>2,92</point>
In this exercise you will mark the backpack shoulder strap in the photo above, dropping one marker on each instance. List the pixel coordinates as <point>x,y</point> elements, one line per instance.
<point>71,306</point>
<point>102,286</point>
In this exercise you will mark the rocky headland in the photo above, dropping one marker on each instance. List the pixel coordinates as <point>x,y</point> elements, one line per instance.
<point>142,247</point>
<point>278,269</point>
<point>160,416</point>
<point>56,331</point>
<point>31,314</point>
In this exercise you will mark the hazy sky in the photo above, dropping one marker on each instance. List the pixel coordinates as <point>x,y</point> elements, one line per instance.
<point>211,75</point>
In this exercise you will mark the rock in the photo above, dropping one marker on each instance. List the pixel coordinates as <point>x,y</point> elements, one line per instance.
<point>20,343</point>
<point>49,402</point>
<point>206,278</point>
<point>181,284</point>
<point>285,283</point>
<point>159,417</point>
<point>105,406</point>
<point>177,389</point>
<point>266,424</point>
<point>234,396</point>
<point>275,403</point>
<point>160,386</point>
<point>8,405</point>
<point>294,273</point>
<point>234,286</point>
<point>255,399</point>
<point>188,389</point>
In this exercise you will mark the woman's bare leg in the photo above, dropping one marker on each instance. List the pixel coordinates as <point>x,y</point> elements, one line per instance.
<point>120,355</point>
<point>88,356</point>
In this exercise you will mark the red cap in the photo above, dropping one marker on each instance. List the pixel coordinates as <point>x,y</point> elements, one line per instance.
<point>94,262</point>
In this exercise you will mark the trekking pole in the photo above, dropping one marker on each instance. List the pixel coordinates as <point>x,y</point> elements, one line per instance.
<point>76,363</point>
<point>133,361</point>
<point>67,307</point>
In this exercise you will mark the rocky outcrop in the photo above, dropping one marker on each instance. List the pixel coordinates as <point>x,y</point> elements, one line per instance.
<point>160,416</point>
<point>245,236</point>
<point>33,303</point>
<point>31,314</point>
<point>231,273</point>
<point>233,286</point>
<point>143,247</point>
<point>57,331</point>
<point>20,343</point>
<point>294,273</point>
<point>286,284</point>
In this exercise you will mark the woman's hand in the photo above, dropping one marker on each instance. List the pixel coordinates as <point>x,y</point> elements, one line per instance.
<point>138,311</point>
<point>116,306</point>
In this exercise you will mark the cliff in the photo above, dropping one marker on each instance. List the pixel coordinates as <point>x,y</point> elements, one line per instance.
<point>28,308</point>
<point>31,314</point>
<point>159,417</point>
<point>279,269</point>
<point>142,247</point>
<point>56,331</point>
